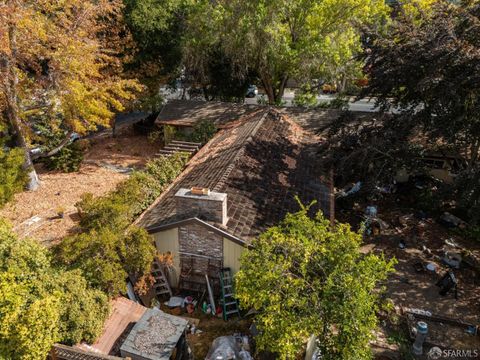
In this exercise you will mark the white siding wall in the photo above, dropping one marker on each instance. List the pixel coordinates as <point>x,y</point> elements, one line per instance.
<point>168,241</point>
<point>231,254</point>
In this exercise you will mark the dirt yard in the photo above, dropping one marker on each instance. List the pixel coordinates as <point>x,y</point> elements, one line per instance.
<point>416,239</point>
<point>107,162</point>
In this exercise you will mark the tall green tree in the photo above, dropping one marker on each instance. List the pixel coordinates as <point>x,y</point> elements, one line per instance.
<point>40,304</point>
<point>283,39</point>
<point>274,40</point>
<point>307,276</point>
<point>157,28</point>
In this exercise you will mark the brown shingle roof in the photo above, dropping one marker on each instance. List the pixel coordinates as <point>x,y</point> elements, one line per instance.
<point>188,112</point>
<point>262,161</point>
<point>124,312</point>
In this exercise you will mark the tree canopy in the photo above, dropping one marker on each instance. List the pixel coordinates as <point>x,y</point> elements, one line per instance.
<point>306,276</point>
<point>40,304</point>
<point>107,257</point>
<point>59,61</point>
<point>426,66</point>
<point>428,69</point>
<point>274,40</point>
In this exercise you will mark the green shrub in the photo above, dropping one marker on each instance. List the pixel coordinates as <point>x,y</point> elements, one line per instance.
<point>108,251</point>
<point>131,197</point>
<point>139,251</point>
<point>166,169</point>
<point>12,176</point>
<point>41,304</point>
<point>106,211</point>
<point>169,133</point>
<point>84,310</point>
<point>67,160</point>
<point>107,256</point>
<point>139,191</point>
<point>203,131</point>
<point>305,97</point>
<point>337,103</point>
<point>98,254</point>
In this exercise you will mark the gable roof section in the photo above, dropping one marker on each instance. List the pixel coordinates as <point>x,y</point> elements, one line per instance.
<point>124,312</point>
<point>262,161</point>
<point>189,112</point>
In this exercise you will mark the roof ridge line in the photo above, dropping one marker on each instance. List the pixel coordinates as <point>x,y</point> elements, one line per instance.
<point>204,149</point>
<point>240,152</point>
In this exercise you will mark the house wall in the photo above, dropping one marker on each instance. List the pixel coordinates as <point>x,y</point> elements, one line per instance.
<point>167,241</point>
<point>231,254</point>
<point>201,252</point>
<point>197,250</point>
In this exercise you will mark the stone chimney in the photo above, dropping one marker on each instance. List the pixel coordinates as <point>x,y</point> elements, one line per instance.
<point>202,203</point>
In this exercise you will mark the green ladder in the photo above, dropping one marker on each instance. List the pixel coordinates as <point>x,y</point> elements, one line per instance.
<point>230,304</point>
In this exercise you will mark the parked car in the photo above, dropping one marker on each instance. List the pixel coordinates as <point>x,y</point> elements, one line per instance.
<point>329,88</point>
<point>252,91</point>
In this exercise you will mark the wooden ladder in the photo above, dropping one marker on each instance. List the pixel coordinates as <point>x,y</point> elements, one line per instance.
<point>229,303</point>
<point>161,285</point>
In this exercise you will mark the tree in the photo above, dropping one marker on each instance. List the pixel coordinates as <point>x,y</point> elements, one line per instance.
<point>306,276</point>
<point>159,30</point>
<point>54,64</point>
<point>107,257</point>
<point>40,304</point>
<point>274,40</point>
<point>84,310</point>
<point>29,324</point>
<point>427,67</point>
<point>283,39</point>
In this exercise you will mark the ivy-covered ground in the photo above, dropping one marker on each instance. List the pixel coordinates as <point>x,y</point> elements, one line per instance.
<point>36,213</point>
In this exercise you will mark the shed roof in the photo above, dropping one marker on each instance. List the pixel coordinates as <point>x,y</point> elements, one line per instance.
<point>188,112</point>
<point>261,161</point>
<point>124,313</point>
<point>154,336</point>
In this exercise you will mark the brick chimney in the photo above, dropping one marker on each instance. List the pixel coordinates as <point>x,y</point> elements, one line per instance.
<point>202,203</point>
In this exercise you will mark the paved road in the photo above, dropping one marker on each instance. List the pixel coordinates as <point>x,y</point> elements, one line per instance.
<point>364,105</point>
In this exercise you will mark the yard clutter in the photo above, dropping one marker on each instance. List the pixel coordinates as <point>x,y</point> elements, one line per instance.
<point>437,271</point>
<point>230,348</point>
<point>461,334</point>
<point>452,221</point>
<point>448,282</point>
<point>349,190</point>
<point>373,224</point>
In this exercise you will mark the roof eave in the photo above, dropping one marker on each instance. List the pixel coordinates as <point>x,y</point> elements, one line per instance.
<point>163,227</point>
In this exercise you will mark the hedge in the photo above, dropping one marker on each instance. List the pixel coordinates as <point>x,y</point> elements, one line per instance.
<point>108,249</point>
<point>119,208</point>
